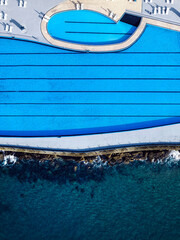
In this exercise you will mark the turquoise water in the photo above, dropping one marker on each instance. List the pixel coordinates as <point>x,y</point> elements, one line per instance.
<point>140,201</point>
<point>88,27</point>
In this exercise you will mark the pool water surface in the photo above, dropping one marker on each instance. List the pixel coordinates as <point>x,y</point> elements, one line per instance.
<point>88,27</point>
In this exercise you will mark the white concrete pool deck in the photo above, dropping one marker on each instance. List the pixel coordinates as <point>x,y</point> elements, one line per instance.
<point>34,20</point>
<point>109,9</point>
<point>30,22</point>
<point>157,135</point>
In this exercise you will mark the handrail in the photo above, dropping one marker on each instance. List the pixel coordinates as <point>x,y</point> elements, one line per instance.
<point>100,48</point>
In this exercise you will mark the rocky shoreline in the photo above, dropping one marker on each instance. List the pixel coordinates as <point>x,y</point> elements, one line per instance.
<point>111,158</point>
<point>60,167</point>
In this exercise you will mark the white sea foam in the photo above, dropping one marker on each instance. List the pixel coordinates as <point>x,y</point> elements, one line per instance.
<point>85,162</point>
<point>173,158</point>
<point>98,162</point>
<point>9,160</point>
<point>175,155</point>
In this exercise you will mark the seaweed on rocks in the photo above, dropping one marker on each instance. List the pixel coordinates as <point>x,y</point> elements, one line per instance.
<point>33,166</point>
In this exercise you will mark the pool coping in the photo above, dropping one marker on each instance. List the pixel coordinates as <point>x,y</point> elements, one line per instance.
<point>66,6</point>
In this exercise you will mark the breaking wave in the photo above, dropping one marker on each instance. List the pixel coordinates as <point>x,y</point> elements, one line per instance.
<point>62,170</point>
<point>173,159</point>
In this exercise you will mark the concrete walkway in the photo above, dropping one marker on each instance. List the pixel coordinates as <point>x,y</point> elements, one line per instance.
<point>109,9</point>
<point>29,21</point>
<point>157,136</point>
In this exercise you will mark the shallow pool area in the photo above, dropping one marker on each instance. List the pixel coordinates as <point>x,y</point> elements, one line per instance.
<point>88,27</point>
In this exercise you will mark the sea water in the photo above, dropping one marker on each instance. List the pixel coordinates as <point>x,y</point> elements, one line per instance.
<point>136,201</point>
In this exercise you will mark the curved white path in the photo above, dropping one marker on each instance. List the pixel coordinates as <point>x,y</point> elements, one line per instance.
<point>102,7</point>
<point>158,135</point>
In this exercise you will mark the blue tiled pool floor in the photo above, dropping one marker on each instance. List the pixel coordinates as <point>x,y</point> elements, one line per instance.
<point>46,90</point>
<point>88,27</point>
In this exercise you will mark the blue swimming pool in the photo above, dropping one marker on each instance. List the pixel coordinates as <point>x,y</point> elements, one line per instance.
<point>88,27</point>
<point>47,91</point>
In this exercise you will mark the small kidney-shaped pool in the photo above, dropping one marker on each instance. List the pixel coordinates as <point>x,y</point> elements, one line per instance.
<point>88,27</point>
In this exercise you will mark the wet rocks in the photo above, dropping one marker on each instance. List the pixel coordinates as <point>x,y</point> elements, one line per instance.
<point>30,167</point>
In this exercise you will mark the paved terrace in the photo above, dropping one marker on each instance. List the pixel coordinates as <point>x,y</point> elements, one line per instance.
<point>168,10</point>
<point>28,19</point>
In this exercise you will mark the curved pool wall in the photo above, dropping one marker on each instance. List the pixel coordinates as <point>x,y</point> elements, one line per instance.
<point>88,27</point>
<point>47,91</point>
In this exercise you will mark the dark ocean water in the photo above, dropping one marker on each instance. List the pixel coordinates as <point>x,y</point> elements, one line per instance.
<point>137,201</point>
